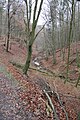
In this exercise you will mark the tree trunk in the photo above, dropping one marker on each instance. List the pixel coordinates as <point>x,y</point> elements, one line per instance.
<point>7,46</point>
<point>69,40</point>
<point>30,32</point>
<point>27,64</point>
<point>8,36</point>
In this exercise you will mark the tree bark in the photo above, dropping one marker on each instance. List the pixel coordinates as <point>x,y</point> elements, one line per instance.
<point>69,40</point>
<point>8,36</point>
<point>31,32</point>
<point>28,60</point>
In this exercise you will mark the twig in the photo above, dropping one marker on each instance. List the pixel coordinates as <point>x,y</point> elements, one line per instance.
<point>70,96</point>
<point>58,97</point>
<point>62,106</point>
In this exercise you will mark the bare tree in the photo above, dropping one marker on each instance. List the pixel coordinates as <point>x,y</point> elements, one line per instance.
<point>30,31</point>
<point>69,39</point>
<point>10,15</point>
<point>8,36</point>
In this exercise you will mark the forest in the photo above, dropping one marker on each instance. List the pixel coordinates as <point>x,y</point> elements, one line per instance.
<point>39,59</point>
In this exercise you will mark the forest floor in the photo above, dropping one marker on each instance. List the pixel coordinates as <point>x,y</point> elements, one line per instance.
<point>25,96</point>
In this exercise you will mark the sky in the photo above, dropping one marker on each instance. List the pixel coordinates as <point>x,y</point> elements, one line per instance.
<point>44,9</point>
<point>41,20</point>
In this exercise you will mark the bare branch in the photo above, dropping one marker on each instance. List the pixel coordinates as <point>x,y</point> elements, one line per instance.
<point>40,31</point>
<point>39,11</point>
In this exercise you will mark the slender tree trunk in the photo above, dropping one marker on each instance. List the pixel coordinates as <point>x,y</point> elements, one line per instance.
<point>53,49</point>
<point>31,32</point>
<point>7,46</point>
<point>27,64</point>
<point>69,40</point>
<point>67,26</point>
<point>78,22</point>
<point>1,13</point>
<point>8,36</point>
<point>53,34</point>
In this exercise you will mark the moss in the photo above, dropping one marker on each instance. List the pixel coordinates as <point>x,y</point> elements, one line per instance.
<point>16,64</point>
<point>78,116</point>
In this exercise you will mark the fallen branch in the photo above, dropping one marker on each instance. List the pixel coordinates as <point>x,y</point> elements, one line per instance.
<point>62,106</point>
<point>58,97</point>
<point>43,71</point>
<point>48,109</point>
<point>70,96</point>
<point>55,93</point>
<point>72,61</point>
<point>33,68</point>
<point>51,105</point>
<point>48,73</point>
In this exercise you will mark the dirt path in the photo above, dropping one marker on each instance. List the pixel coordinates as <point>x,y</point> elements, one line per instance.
<point>19,101</point>
<point>11,107</point>
<point>8,98</point>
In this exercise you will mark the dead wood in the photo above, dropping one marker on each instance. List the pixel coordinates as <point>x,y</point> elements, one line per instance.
<point>51,105</point>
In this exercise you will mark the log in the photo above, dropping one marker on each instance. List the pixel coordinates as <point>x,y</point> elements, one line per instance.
<point>43,71</point>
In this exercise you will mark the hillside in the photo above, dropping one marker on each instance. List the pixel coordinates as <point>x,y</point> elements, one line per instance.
<point>49,77</point>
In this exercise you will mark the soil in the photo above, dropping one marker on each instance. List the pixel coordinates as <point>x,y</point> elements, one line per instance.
<point>22,97</point>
